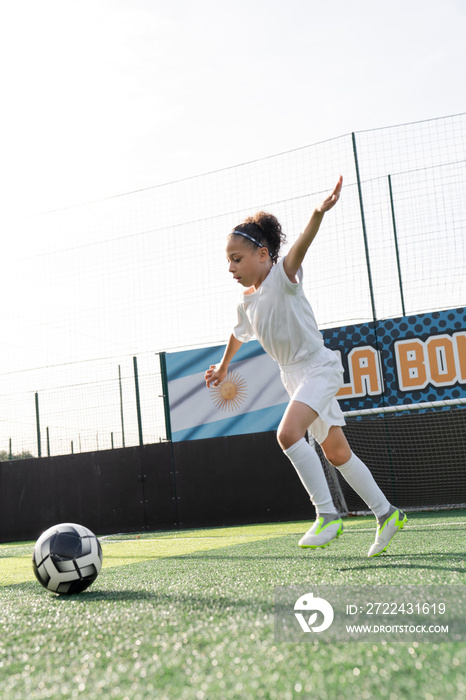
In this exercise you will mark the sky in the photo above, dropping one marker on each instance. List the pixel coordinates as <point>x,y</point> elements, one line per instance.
<point>103,97</point>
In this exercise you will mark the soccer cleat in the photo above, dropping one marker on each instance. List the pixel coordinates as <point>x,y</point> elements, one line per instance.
<point>321,533</point>
<point>396,521</point>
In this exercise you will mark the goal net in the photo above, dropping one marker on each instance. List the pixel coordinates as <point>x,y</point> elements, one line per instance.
<point>417,455</point>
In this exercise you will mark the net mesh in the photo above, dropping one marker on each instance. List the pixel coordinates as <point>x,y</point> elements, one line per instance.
<point>417,458</point>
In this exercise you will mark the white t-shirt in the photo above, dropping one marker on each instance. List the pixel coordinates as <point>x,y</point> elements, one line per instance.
<point>279,315</point>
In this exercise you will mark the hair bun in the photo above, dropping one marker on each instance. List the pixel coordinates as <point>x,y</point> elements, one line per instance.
<point>266,222</point>
<point>270,231</point>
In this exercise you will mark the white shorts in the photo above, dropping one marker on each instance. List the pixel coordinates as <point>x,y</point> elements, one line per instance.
<point>315,382</point>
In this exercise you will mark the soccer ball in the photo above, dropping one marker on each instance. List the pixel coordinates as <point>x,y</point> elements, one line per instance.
<point>67,558</point>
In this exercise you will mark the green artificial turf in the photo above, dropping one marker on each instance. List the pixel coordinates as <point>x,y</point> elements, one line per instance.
<point>190,615</point>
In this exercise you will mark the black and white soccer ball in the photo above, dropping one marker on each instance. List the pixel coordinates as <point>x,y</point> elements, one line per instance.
<point>67,558</point>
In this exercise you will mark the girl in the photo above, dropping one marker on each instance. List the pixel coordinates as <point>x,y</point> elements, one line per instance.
<point>274,309</point>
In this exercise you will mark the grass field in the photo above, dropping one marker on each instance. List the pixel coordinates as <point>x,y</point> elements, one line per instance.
<point>189,615</point>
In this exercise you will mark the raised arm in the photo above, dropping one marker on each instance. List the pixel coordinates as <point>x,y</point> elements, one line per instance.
<point>299,249</point>
<point>217,373</point>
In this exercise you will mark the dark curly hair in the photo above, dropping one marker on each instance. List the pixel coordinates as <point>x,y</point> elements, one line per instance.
<point>266,230</point>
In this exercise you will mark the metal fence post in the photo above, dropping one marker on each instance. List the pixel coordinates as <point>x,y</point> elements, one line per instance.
<point>39,450</point>
<point>395,236</point>
<point>121,407</point>
<point>166,405</point>
<point>138,400</point>
<point>364,231</point>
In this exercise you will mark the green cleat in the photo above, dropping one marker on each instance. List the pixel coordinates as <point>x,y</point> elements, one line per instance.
<point>386,532</point>
<point>325,529</point>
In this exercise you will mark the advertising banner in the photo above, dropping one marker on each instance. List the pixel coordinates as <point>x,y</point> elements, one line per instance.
<point>407,360</point>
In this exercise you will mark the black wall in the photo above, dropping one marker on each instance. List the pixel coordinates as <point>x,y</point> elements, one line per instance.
<point>234,480</point>
<point>418,460</point>
<point>215,482</point>
<point>106,491</point>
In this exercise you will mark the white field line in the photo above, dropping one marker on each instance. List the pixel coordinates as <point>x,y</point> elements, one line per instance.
<point>278,534</point>
<point>410,527</point>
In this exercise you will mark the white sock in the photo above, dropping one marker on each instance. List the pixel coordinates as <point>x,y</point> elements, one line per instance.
<point>361,480</point>
<point>306,462</point>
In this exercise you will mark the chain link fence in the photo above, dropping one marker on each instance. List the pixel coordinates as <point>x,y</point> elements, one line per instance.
<point>87,289</point>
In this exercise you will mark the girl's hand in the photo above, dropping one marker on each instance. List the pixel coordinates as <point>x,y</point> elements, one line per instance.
<point>332,199</point>
<point>298,250</point>
<point>214,375</point>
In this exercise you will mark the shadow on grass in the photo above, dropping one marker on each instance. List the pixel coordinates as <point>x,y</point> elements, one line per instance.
<point>164,601</point>
<point>426,559</point>
<point>156,599</point>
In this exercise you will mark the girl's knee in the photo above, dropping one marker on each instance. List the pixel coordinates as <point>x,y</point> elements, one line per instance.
<point>287,436</point>
<point>336,448</point>
<point>337,456</point>
<point>294,424</point>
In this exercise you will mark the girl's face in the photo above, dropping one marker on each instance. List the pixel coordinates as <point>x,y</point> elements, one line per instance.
<point>248,265</point>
